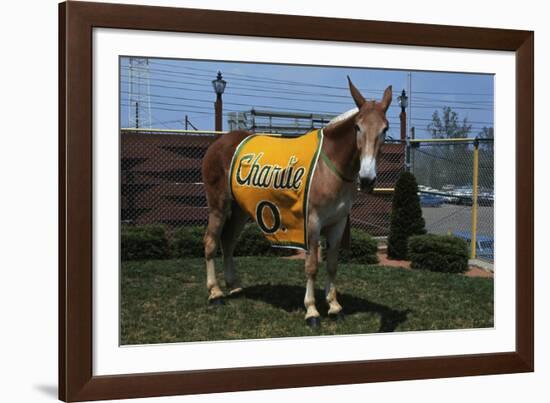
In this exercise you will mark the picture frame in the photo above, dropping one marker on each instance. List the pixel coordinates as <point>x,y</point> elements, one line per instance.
<point>77,21</point>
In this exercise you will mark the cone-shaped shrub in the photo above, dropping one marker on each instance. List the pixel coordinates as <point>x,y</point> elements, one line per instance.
<point>406,216</point>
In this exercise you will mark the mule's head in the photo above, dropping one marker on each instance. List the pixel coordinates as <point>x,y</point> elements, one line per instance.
<point>370,128</point>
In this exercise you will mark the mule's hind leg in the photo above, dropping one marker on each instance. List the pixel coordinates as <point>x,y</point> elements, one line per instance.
<point>333,236</point>
<point>230,234</point>
<point>216,220</point>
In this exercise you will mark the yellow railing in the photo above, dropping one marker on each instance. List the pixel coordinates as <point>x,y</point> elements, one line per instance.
<point>474,200</point>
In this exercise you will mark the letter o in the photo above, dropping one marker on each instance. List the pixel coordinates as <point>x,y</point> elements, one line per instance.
<point>276,217</point>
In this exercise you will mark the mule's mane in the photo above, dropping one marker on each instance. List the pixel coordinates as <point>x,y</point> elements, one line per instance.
<point>342,117</point>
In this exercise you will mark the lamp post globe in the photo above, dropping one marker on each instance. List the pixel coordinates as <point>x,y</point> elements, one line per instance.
<point>219,84</point>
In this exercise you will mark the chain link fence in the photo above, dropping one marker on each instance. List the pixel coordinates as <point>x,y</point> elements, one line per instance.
<point>445,171</point>
<point>161,179</point>
<point>372,212</point>
<point>161,184</point>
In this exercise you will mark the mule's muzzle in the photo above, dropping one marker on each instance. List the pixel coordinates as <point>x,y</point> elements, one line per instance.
<point>367,184</point>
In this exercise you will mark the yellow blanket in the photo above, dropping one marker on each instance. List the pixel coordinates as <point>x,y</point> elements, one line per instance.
<point>270,177</point>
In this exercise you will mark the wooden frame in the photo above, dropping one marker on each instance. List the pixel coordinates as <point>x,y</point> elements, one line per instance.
<point>76,22</point>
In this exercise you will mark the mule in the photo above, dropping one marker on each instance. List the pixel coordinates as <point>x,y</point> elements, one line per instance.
<point>351,145</point>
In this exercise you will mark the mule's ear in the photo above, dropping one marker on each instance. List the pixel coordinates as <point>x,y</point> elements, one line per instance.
<point>386,99</point>
<point>357,97</point>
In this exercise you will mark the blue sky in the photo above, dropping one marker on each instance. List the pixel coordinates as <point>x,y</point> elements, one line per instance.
<point>183,87</point>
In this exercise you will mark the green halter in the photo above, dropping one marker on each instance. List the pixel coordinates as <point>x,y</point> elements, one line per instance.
<point>335,169</point>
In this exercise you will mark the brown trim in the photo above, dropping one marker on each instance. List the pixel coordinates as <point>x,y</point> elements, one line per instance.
<point>296,27</point>
<point>76,20</point>
<point>76,263</point>
<point>62,319</point>
<point>525,94</point>
<point>292,376</point>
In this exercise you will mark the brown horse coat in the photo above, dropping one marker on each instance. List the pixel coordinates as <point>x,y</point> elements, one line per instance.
<point>351,144</point>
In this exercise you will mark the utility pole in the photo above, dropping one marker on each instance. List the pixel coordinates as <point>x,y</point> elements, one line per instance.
<point>219,113</point>
<point>410,124</point>
<point>139,91</point>
<point>412,152</point>
<point>410,99</point>
<point>403,103</point>
<point>403,121</point>
<point>137,115</point>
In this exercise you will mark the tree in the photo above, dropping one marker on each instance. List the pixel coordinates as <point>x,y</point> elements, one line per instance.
<point>406,216</point>
<point>486,158</point>
<point>445,163</point>
<point>448,126</point>
<point>487,133</point>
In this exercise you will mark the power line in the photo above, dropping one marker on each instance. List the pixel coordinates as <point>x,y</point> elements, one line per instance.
<point>256,88</point>
<point>250,77</point>
<point>454,101</point>
<point>176,110</point>
<point>469,121</point>
<point>301,83</point>
<point>292,99</point>
<point>249,105</point>
<point>264,89</point>
<point>205,109</point>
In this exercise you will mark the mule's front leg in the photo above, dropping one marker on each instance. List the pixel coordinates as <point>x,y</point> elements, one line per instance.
<point>312,315</point>
<point>335,309</point>
<point>334,237</point>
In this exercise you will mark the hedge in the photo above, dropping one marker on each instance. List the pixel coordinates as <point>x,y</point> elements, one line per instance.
<point>188,242</point>
<point>253,243</point>
<point>144,242</point>
<point>440,253</point>
<point>152,242</point>
<point>362,249</point>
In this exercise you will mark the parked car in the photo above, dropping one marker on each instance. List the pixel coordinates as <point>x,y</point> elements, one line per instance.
<point>428,200</point>
<point>451,199</point>
<point>485,245</point>
<point>486,199</point>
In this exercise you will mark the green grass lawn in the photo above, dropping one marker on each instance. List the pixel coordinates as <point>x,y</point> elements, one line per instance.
<point>165,301</point>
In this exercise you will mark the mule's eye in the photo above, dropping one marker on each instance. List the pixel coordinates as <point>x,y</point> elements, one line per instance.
<point>357,129</point>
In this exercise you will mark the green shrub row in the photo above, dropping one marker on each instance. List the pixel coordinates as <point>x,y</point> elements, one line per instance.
<point>362,249</point>
<point>153,242</point>
<point>188,242</point>
<point>144,242</point>
<point>441,253</point>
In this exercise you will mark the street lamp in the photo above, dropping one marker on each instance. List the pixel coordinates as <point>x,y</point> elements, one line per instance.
<point>219,87</point>
<point>403,103</point>
<point>403,100</point>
